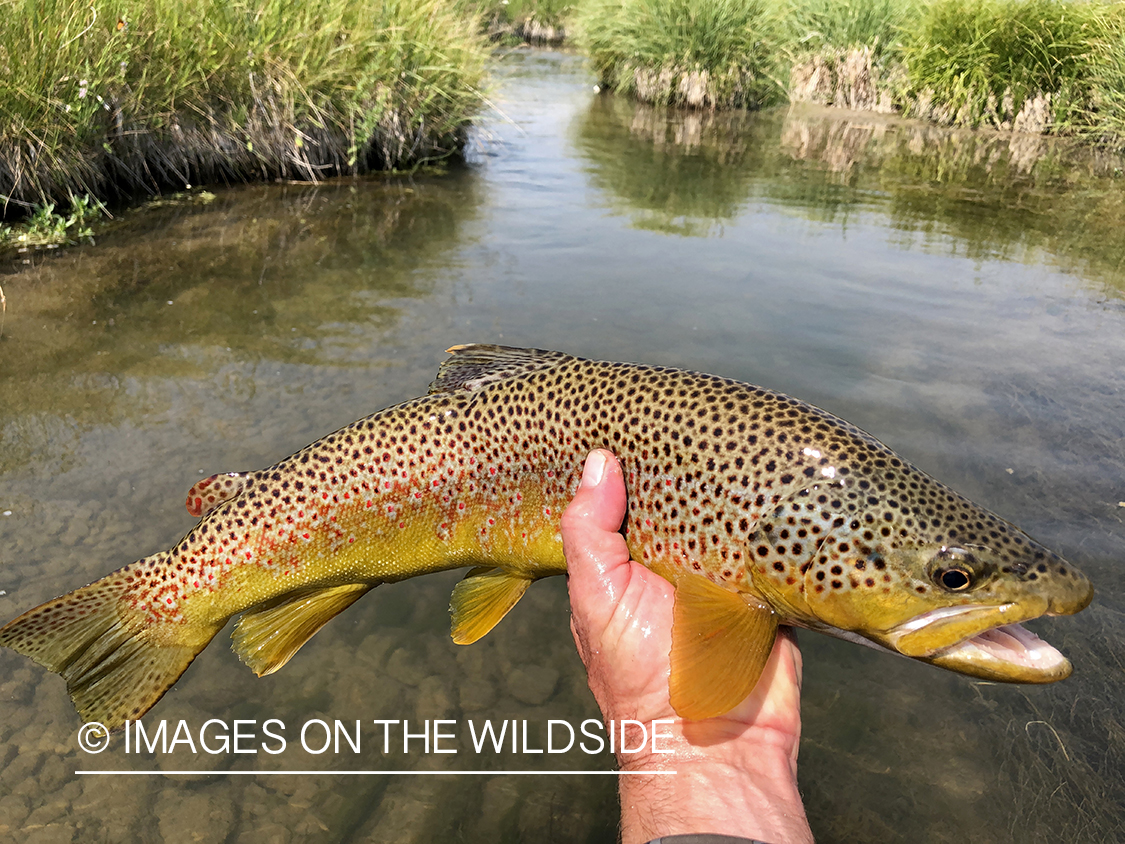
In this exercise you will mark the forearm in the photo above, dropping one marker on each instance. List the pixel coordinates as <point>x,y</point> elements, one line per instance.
<point>753,794</point>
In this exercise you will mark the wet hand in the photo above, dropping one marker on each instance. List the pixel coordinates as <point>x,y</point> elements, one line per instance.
<point>735,773</point>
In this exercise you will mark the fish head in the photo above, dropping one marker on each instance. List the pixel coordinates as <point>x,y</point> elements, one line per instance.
<point>925,573</point>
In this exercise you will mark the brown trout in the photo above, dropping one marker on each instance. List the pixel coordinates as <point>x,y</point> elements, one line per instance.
<point>760,509</point>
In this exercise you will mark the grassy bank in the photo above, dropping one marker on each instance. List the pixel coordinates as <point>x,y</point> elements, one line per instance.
<point>703,53</point>
<point>167,93</point>
<point>523,21</point>
<point>1024,65</point>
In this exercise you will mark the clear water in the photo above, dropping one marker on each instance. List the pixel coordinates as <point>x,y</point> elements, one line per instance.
<point>956,295</point>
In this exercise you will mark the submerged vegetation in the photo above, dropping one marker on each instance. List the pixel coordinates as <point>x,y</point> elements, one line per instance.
<point>169,93</point>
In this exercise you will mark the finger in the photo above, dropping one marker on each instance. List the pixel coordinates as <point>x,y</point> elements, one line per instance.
<point>591,543</point>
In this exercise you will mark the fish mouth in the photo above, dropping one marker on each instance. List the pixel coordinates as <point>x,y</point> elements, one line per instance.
<point>1010,653</point>
<point>1004,650</point>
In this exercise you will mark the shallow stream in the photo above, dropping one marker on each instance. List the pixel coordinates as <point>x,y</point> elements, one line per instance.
<point>960,296</point>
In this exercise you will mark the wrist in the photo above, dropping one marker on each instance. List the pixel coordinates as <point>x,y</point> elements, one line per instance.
<point>708,782</point>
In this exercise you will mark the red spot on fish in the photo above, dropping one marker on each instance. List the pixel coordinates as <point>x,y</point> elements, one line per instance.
<point>210,577</point>
<point>197,584</point>
<point>305,535</point>
<point>370,503</point>
<point>492,521</point>
<point>402,525</point>
<point>169,600</point>
<point>325,494</point>
<point>387,484</point>
<point>351,539</point>
<point>417,495</point>
<point>436,482</point>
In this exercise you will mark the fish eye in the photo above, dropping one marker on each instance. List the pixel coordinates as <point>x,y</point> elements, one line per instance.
<point>955,578</point>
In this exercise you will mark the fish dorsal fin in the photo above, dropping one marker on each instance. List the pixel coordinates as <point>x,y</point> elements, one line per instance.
<point>475,365</point>
<point>267,637</point>
<point>720,643</point>
<point>480,600</point>
<point>210,492</point>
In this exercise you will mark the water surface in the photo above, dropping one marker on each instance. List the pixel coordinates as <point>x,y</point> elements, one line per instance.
<point>958,295</point>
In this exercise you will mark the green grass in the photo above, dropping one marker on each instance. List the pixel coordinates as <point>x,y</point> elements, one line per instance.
<point>980,61</point>
<point>551,12</point>
<point>819,25</point>
<point>699,52</point>
<point>163,93</point>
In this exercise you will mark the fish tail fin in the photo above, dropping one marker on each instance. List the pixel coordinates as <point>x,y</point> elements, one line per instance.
<point>116,667</point>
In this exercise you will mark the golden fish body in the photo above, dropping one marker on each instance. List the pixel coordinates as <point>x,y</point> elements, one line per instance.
<point>761,509</point>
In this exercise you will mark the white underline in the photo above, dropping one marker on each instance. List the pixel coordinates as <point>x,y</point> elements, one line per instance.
<point>374,773</point>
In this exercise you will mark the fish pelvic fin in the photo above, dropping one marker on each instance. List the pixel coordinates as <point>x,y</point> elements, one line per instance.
<point>116,665</point>
<point>480,600</point>
<point>721,641</point>
<point>472,366</point>
<point>209,493</point>
<point>268,636</point>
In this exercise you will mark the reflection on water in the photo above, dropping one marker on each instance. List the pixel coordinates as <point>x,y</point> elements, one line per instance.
<point>674,172</point>
<point>987,195</point>
<point>906,279</point>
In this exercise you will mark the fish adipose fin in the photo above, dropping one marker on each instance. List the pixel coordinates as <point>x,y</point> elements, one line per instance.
<point>720,643</point>
<point>267,637</point>
<point>475,365</point>
<point>210,492</point>
<point>116,667</point>
<point>480,600</point>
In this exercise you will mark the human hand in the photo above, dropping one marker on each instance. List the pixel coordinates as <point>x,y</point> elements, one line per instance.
<point>734,774</point>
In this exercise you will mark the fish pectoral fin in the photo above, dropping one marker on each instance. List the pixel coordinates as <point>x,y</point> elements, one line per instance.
<point>480,600</point>
<point>477,364</point>
<point>720,643</point>
<point>267,637</point>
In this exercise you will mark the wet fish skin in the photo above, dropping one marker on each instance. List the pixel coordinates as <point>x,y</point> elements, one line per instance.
<point>760,508</point>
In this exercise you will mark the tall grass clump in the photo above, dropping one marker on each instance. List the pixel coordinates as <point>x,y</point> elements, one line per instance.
<point>689,52</point>
<point>535,21</point>
<point>163,93</point>
<point>845,52</point>
<point>1106,118</point>
<point>819,25</point>
<point>1008,63</point>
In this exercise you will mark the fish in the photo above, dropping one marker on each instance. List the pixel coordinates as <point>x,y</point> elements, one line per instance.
<point>760,509</point>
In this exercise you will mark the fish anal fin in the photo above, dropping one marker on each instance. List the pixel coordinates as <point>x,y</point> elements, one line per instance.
<point>116,665</point>
<point>721,641</point>
<point>209,493</point>
<point>475,365</point>
<point>480,600</point>
<point>267,637</point>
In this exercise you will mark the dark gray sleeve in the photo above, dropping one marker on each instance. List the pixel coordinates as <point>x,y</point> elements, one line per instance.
<point>704,838</point>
